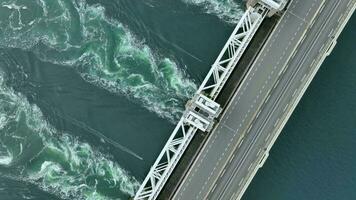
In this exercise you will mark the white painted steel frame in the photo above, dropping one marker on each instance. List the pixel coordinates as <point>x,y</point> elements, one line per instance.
<point>211,86</point>
<point>275,4</point>
<point>232,52</point>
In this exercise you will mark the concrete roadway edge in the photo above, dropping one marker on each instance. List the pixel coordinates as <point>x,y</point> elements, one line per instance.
<point>229,104</point>
<point>204,142</point>
<point>246,131</point>
<point>279,130</point>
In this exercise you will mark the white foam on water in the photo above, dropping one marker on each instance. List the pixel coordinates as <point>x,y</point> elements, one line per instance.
<point>14,6</point>
<point>227,10</point>
<point>6,160</point>
<point>6,157</point>
<point>104,52</point>
<point>3,119</point>
<point>43,5</point>
<point>65,166</point>
<point>15,19</point>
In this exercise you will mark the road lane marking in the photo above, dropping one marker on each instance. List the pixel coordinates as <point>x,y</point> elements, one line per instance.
<point>275,124</point>
<point>285,108</point>
<point>249,167</point>
<point>255,69</point>
<point>241,181</point>
<point>231,158</point>
<point>267,137</point>
<point>240,143</point>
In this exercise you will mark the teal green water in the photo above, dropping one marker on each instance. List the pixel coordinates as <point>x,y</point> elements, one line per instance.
<point>228,10</point>
<point>103,51</point>
<point>90,91</point>
<point>58,162</point>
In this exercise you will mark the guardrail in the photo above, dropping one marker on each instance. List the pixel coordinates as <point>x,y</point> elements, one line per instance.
<point>202,109</point>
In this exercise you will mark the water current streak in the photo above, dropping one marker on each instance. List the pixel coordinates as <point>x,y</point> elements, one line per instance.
<point>104,52</point>
<point>33,151</point>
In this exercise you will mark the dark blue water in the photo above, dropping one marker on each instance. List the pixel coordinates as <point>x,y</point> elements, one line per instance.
<point>90,91</point>
<point>314,158</point>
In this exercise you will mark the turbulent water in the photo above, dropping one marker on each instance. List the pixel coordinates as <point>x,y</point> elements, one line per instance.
<point>103,51</point>
<point>50,146</point>
<point>89,90</point>
<point>31,150</point>
<point>228,10</point>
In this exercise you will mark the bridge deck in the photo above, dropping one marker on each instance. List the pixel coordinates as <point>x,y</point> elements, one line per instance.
<point>284,97</point>
<point>243,135</point>
<point>226,93</point>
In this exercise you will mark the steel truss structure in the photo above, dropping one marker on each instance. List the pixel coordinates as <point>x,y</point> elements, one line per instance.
<point>232,51</point>
<point>202,109</point>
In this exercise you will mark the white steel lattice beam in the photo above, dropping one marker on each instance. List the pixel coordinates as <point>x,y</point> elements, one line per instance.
<point>232,52</point>
<point>204,101</point>
<point>166,161</point>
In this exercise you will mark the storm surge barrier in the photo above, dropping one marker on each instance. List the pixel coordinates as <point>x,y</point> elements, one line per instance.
<point>202,109</point>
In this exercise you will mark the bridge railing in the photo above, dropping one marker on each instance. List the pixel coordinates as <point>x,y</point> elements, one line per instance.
<point>232,51</point>
<point>202,109</point>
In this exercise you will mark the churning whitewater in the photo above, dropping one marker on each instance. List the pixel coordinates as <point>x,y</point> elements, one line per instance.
<point>102,50</point>
<point>227,10</point>
<point>106,54</point>
<point>32,150</point>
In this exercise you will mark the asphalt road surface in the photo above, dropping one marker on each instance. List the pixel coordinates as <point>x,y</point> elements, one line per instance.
<point>269,93</point>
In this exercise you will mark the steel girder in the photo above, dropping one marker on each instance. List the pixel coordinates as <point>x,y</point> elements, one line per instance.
<point>193,120</point>
<point>232,52</point>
